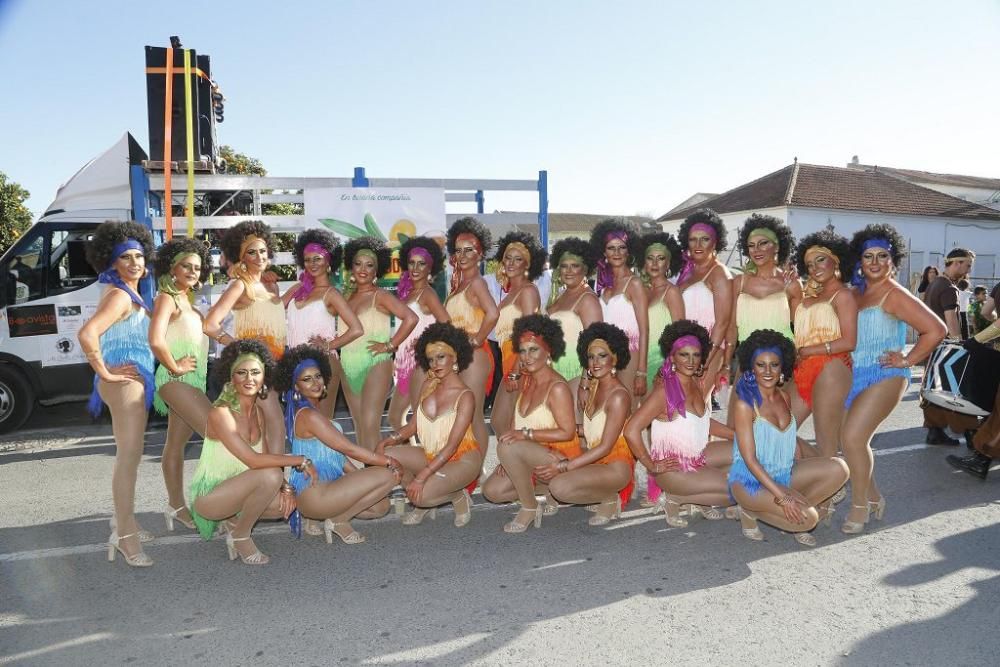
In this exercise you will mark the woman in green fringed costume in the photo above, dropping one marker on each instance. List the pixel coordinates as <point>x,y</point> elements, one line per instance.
<point>366,363</point>
<point>180,347</point>
<point>234,482</point>
<point>661,261</point>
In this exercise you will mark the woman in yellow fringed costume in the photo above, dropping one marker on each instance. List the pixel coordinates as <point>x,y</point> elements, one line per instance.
<point>257,310</point>
<point>522,260</point>
<point>177,341</point>
<point>447,459</point>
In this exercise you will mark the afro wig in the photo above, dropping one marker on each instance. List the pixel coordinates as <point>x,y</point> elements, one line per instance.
<point>427,243</point>
<point>450,335</point>
<point>546,328</point>
<point>784,233</point>
<point>323,238</point>
<point>880,231</point>
<point>574,246</point>
<point>535,249</point>
<point>767,338</point>
<point>283,380</point>
<point>705,216</point>
<point>469,225</point>
<point>663,238</point>
<point>836,243</point>
<point>616,339</point>
<point>675,330</point>
<point>599,237</point>
<point>111,233</point>
<point>232,240</point>
<point>223,367</point>
<point>377,246</point>
<point>182,245</point>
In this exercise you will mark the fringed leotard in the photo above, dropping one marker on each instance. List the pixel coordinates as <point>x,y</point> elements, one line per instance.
<point>568,365</point>
<point>126,342</point>
<point>767,312</point>
<point>541,418</point>
<point>699,303</point>
<point>328,462</point>
<point>593,431</point>
<point>618,310</point>
<point>878,333</point>
<point>263,319</point>
<point>683,438</point>
<point>433,433</point>
<point>406,355</point>
<point>775,451</point>
<point>184,338</point>
<point>469,319</point>
<point>310,320</point>
<point>504,332</point>
<point>815,325</point>
<point>659,319</point>
<point>355,357</point>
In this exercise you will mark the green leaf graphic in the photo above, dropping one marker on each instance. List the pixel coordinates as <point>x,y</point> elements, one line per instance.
<point>372,227</point>
<point>343,228</point>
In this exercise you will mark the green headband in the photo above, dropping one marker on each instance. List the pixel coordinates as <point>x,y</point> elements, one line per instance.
<point>751,266</point>
<point>366,251</point>
<point>166,284</point>
<point>229,397</point>
<point>658,246</point>
<point>557,279</point>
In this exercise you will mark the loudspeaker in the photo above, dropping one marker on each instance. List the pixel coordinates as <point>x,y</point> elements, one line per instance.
<point>203,125</point>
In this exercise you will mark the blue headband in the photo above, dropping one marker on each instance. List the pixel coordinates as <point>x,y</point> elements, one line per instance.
<point>858,277</point>
<point>746,386</point>
<point>109,276</point>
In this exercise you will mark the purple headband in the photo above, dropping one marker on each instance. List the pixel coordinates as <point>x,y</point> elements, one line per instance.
<point>605,275</point>
<point>746,386</point>
<point>405,286</point>
<point>109,276</point>
<point>672,389</point>
<point>688,264</point>
<point>306,282</point>
<point>858,277</point>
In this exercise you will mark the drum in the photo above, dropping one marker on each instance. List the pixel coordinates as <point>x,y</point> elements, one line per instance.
<point>955,380</point>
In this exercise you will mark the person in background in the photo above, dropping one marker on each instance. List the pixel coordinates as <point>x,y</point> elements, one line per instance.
<point>930,274</point>
<point>964,299</point>
<point>976,320</point>
<point>986,439</point>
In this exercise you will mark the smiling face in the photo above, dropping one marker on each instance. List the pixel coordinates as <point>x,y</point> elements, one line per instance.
<point>600,359</point>
<point>467,252</point>
<point>187,272</point>
<point>657,263</point>
<point>701,244</point>
<point>767,369</point>
<point>571,270</point>
<point>364,269</point>
<point>441,359</point>
<point>533,354</point>
<point>418,267</point>
<point>761,249</point>
<point>515,262</point>
<point>255,256</point>
<point>876,264</point>
<point>616,252</point>
<point>130,265</point>
<point>687,360</point>
<point>248,376</point>
<point>820,266</point>
<point>310,383</point>
<point>315,263</point>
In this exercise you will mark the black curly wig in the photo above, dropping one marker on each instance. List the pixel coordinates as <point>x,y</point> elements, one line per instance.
<point>538,253</point>
<point>882,231</point>
<point>233,239</point>
<point>111,233</point>
<point>675,330</point>
<point>449,334</point>
<point>574,246</point>
<point>377,246</point>
<point>599,237</point>
<point>839,245</point>
<point>616,339</point>
<point>283,380</point>
<point>767,338</point>
<point>705,216</point>
<point>165,256</point>
<point>427,243</point>
<point>469,225</point>
<point>222,369</point>
<point>673,249</point>
<point>546,328</point>
<point>784,233</point>
<point>323,238</point>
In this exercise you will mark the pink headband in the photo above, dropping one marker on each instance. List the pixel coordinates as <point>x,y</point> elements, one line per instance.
<point>704,227</point>
<point>688,266</point>
<point>673,392</point>
<point>306,282</point>
<point>405,286</point>
<point>605,275</point>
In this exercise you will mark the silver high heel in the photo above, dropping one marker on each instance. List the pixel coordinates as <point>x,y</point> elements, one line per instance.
<point>672,508</point>
<point>170,515</point>
<point>256,558</point>
<point>752,532</point>
<point>517,527</point>
<point>135,560</point>
<point>462,518</point>
<point>877,509</point>
<point>707,511</point>
<point>604,519</point>
<point>330,528</point>
<point>855,527</point>
<point>416,516</point>
<point>144,535</point>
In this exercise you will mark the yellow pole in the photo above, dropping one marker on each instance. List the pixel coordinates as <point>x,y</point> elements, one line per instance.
<point>189,120</point>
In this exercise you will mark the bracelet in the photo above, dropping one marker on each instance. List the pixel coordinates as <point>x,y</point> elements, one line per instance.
<point>306,463</point>
<point>782,501</point>
<point>829,350</point>
<point>390,347</point>
<point>395,436</point>
<point>642,372</point>
<point>563,465</point>
<point>907,363</point>
<point>287,488</point>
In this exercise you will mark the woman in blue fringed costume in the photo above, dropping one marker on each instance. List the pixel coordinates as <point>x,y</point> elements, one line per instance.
<point>765,479</point>
<point>114,341</point>
<point>342,492</point>
<point>235,481</point>
<point>881,369</point>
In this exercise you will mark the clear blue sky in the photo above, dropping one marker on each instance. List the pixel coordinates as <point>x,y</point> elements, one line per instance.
<point>631,106</point>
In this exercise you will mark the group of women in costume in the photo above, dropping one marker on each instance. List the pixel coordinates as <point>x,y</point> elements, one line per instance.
<point>593,380</point>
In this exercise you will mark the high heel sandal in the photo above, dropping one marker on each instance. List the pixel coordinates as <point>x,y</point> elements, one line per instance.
<point>462,518</point>
<point>256,558</point>
<point>707,511</point>
<point>135,560</point>
<point>170,515</point>
<point>312,527</point>
<point>353,537</point>
<point>416,516</point>
<point>144,535</point>
<point>855,527</point>
<point>604,519</point>
<point>550,507</point>
<point>516,526</point>
<point>826,511</point>
<point>733,512</point>
<point>805,539</point>
<point>753,532</point>
<point>673,517</point>
<point>877,509</point>
<point>839,496</point>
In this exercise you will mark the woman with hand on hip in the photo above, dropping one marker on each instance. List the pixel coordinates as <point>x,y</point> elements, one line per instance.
<point>177,342</point>
<point>447,458</point>
<point>115,342</point>
<point>422,260</point>
<point>661,261</point>
<point>313,306</point>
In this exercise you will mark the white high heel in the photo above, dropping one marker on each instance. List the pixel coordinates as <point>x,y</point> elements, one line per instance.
<point>256,558</point>
<point>604,519</point>
<point>416,516</point>
<point>170,515</point>
<point>140,559</point>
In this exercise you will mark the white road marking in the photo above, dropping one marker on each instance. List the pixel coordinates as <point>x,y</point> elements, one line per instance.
<point>903,448</point>
<point>86,639</point>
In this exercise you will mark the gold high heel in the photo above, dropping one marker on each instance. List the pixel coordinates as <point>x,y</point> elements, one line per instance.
<point>462,518</point>
<point>353,537</point>
<point>550,507</point>
<point>517,527</point>
<point>710,513</point>
<point>135,560</point>
<point>877,509</point>
<point>805,539</point>
<point>672,508</point>
<point>855,527</point>
<point>256,558</point>
<point>604,519</point>
<point>170,515</point>
<point>416,516</point>
<point>752,532</point>
<point>144,535</point>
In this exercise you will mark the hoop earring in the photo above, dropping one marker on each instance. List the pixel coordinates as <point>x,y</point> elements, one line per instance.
<point>243,266</point>
<point>324,394</point>
<point>836,273</point>
<point>781,379</point>
<point>614,371</point>
<point>526,274</point>
<point>454,367</point>
<point>673,367</point>
<point>590,376</point>
<point>296,396</point>
<point>548,362</point>
<point>264,391</point>
<point>701,370</point>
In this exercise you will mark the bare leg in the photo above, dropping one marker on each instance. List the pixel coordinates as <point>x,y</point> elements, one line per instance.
<point>502,414</point>
<point>252,494</point>
<point>519,459</point>
<point>274,421</point>
<point>719,454</point>
<point>627,377</point>
<point>574,387</point>
<point>345,498</point>
<point>829,393</point>
<point>399,408</point>
<point>366,408</point>
<point>456,476</point>
<point>868,411</point>
<point>188,413</point>
<point>498,487</point>
<point>127,404</point>
<point>475,377</point>
<point>594,483</point>
<point>329,404</point>
<point>705,486</point>
<point>816,479</point>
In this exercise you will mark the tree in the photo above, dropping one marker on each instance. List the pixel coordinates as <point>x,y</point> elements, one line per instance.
<point>238,163</point>
<point>15,218</point>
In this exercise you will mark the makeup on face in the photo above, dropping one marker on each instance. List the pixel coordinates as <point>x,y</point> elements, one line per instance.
<point>687,359</point>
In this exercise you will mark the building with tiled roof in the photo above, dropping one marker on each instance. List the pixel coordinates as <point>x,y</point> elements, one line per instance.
<point>977,189</point>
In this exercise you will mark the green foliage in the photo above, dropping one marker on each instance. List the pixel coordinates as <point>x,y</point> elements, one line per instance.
<point>238,163</point>
<point>15,217</point>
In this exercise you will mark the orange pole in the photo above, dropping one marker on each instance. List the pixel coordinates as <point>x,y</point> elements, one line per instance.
<point>168,117</point>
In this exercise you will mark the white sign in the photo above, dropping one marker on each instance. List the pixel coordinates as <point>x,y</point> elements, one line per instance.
<point>392,214</point>
<point>64,348</point>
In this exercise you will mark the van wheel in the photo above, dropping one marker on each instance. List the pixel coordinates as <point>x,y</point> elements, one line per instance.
<point>17,399</point>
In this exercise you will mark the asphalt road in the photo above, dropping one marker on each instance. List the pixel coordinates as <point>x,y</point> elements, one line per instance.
<point>920,588</point>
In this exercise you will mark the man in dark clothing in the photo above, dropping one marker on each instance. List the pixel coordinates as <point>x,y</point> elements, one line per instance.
<point>942,298</point>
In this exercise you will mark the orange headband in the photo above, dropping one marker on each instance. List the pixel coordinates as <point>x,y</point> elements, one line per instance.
<point>531,336</point>
<point>439,346</point>
<point>816,249</point>
<point>246,244</point>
